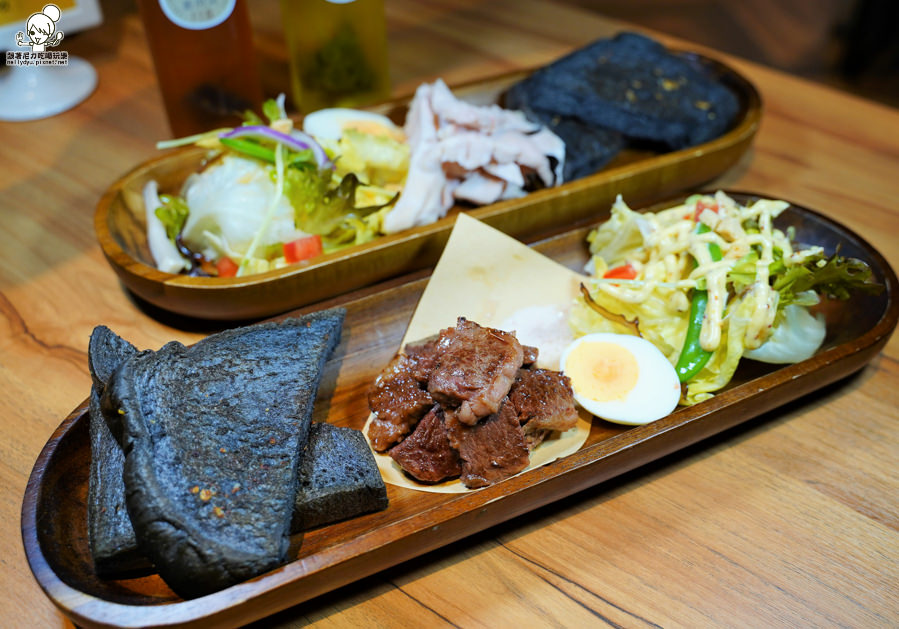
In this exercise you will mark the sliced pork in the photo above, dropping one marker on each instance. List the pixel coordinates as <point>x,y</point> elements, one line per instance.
<point>462,151</point>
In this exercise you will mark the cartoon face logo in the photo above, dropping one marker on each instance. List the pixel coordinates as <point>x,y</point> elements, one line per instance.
<point>41,29</point>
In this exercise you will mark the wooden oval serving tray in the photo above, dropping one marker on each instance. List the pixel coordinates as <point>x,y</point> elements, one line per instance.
<point>640,176</point>
<point>54,526</point>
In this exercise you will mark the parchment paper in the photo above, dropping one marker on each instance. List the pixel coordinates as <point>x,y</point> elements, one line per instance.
<point>487,277</point>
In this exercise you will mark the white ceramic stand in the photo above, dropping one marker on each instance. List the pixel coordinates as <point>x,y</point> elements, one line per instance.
<point>32,92</point>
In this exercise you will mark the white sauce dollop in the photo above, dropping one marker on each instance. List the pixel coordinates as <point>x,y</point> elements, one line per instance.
<point>543,327</point>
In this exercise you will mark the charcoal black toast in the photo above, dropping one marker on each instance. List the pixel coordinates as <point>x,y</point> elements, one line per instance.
<point>110,534</point>
<point>632,85</point>
<point>588,148</point>
<point>213,434</point>
<point>339,478</point>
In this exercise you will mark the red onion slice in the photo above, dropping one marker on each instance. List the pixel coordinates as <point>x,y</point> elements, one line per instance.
<point>297,140</point>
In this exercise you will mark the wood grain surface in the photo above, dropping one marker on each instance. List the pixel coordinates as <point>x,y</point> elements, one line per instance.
<point>790,520</point>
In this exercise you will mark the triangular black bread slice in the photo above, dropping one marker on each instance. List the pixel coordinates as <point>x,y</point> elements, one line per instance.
<point>110,534</point>
<point>212,435</point>
<point>339,478</point>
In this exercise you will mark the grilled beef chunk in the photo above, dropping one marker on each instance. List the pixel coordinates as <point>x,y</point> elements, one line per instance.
<point>421,359</point>
<point>530,355</point>
<point>474,369</point>
<point>543,400</point>
<point>426,454</point>
<point>398,400</point>
<point>493,449</point>
<point>213,436</point>
<point>486,412</point>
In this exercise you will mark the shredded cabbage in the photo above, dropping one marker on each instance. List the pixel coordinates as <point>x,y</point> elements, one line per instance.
<point>759,291</point>
<point>377,160</point>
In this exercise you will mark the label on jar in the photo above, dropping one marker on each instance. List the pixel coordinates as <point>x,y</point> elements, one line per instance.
<point>197,15</point>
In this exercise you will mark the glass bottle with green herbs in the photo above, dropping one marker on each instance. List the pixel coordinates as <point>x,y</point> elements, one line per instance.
<point>338,52</point>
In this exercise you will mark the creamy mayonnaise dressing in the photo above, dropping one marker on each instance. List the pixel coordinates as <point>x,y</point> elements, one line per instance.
<point>673,257</point>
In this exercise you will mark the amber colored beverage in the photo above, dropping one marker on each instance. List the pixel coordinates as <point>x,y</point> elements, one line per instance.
<point>338,52</point>
<point>205,63</point>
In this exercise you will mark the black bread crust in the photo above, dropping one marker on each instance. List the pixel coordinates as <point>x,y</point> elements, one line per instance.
<point>110,534</point>
<point>212,435</point>
<point>632,85</point>
<point>588,148</point>
<point>339,478</point>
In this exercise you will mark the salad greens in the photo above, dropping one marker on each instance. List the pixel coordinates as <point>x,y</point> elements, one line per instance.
<point>297,194</point>
<point>833,276</point>
<point>332,212</point>
<point>173,214</point>
<point>758,287</point>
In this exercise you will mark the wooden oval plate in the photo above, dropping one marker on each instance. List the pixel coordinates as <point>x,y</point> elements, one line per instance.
<point>54,511</point>
<point>640,176</point>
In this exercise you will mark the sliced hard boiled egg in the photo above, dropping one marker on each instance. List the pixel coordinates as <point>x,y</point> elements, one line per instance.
<point>621,378</point>
<point>330,124</point>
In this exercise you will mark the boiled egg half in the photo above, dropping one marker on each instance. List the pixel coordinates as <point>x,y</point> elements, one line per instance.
<point>621,378</point>
<point>330,124</point>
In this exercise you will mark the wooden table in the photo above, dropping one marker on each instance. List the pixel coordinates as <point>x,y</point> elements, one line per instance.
<point>789,520</point>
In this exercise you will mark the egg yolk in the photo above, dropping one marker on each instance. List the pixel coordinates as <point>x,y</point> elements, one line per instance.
<point>372,127</point>
<point>602,371</point>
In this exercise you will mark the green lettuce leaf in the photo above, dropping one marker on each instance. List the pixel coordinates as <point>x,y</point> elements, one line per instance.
<point>270,109</point>
<point>328,209</point>
<point>836,277</point>
<point>173,215</point>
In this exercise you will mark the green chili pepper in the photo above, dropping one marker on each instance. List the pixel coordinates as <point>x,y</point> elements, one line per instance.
<point>253,149</point>
<point>692,357</point>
